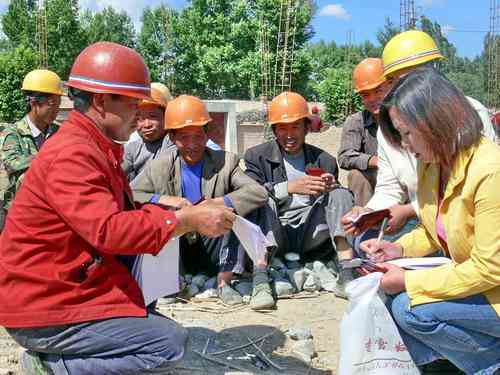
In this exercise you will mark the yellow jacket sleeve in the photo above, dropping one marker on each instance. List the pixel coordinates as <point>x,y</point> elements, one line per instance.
<point>479,273</point>
<point>417,243</point>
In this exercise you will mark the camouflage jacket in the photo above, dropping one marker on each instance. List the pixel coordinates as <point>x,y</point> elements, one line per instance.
<point>17,150</point>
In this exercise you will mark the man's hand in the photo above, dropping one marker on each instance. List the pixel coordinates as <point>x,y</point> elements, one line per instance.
<point>307,185</point>
<point>400,214</point>
<point>373,162</point>
<point>346,220</point>
<point>381,251</point>
<point>330,181</point>
<point>393,281</point>
<point>174,201</point>
<point>208,219</point>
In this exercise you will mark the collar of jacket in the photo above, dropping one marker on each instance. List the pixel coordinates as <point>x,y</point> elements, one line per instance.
<point>458,170</point>
<point>277,154</point>
<point>368,119</point>
<point>23,128</point>
<point>110,148</point>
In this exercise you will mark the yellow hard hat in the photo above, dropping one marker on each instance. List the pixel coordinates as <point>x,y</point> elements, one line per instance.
<point>368,74</point>
<point>408,49</point>
<point>42,80</point>
<point>286,108</point>
<point>160,95</point>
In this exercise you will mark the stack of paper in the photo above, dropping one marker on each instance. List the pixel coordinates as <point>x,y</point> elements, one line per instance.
<point>420,263</point>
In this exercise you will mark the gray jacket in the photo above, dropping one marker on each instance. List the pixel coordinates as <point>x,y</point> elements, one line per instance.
<point>221,176</point>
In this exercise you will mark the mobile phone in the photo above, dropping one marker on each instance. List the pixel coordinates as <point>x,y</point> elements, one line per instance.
<point>315,171</point>
<point>370,219</point>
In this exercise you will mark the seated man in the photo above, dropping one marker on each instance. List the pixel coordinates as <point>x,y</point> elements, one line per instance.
<point>304,210</point>
<point>358,149</point>
<point>216,132</point>
<point>20,142</point>
<point>192,173</point>
<point>153,139</point>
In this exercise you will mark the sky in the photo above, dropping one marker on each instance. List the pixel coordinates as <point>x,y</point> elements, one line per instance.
<point>465,21</point>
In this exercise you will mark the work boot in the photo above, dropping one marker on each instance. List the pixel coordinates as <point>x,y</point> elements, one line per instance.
<point>31,364</point>
<point>345,276</point>
<point>229,296</point>
<point>262,296</point>
<point>282,286</point>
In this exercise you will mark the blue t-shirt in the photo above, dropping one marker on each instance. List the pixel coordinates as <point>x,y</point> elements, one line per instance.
<point>191,181</point>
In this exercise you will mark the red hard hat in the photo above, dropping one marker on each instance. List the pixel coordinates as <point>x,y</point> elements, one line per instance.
<point>110,68</point>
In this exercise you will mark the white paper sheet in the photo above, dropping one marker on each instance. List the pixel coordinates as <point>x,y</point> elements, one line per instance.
<point>158,276</point>
<point>251,238</point>
<point>420,263</point>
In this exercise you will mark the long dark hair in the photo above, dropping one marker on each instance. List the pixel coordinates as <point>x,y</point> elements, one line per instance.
<point>428,101</point>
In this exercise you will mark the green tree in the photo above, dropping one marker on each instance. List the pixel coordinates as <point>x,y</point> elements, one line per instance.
<point>14,65</point>
<point>65,38</point>
<point>216,46</point>
<point>155,43</point>
<point>109,25</point>
<point>387,32</point>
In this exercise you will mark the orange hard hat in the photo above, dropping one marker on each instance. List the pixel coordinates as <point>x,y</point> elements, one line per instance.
<point>110,68</point>
<point>368,74</point>
<point>160,95</point>
<point>287,107</point>
<point>186,110</point>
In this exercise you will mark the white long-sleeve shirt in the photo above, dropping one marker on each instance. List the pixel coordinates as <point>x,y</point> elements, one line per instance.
<point>397,168</point>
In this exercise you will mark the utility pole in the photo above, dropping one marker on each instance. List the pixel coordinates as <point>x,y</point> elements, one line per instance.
<point>41,34</point>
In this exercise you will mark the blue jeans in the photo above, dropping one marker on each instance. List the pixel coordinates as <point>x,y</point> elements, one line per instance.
<point>464,331</point>
<point>118,346</point>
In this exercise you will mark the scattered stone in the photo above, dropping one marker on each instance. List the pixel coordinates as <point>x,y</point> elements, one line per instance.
<point>292,257</point>
<point>188,278</point>
<point>199,280</point>
<point>246,299</point>
<point>299,333</point>
<point>309,266</point>
<point>298,278</point>
<point>304,350</point>
<point>244,288</point>
<point>333,267</point>
<point>210,283</point>
<point>191,290</point>
<point>312,283</point>
<point>326,278</point>
<point>208,293</point>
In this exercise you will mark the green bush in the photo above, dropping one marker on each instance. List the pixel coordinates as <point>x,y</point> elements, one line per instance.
<point>14,65</point>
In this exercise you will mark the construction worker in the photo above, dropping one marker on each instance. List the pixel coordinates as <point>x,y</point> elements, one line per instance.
<point>195,172</point>
<point>20,142</point>
<point>216,131</point>
<point>358,148</point>
<point>153,139</point>
<point>397,176</point>
<point>72,232</point>
<point>306,202</point>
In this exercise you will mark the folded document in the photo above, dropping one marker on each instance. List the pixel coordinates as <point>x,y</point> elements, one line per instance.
<point>420,263</point>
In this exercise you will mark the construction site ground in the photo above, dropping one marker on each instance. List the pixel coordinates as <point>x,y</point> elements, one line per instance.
<point>225,328</point>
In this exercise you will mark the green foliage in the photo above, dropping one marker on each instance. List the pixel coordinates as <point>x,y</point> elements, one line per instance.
<point>109,25</point>
<point>336,93</point>
<point>155,43</point>
<point>387,32</point>
<point>14,65</point>
<point>217,51</point>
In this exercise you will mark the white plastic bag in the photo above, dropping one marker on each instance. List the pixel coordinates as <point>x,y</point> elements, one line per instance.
<point>251,238</point>
<point>369,339</point>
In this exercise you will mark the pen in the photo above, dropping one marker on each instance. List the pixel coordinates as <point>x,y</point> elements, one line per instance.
<point>382,229</point>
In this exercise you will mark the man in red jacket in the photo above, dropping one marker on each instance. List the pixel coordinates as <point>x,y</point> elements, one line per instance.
<point>73,231</point>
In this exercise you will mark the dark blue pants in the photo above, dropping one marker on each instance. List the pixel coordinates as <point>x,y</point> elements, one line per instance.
<point>121,346</point>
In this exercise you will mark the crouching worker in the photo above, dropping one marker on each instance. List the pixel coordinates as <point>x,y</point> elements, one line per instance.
<point>67,294</point>
<point>451,311</point>
<point>306,202</point>
<point>194,173</point>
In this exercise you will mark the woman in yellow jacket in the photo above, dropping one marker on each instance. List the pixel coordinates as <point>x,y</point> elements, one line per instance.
<point>450,311</point>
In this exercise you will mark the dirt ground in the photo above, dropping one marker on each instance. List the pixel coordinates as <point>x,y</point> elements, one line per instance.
<point>224,328</point>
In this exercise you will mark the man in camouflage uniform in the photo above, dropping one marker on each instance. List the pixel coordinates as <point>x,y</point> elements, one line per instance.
<point>20,142</point>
